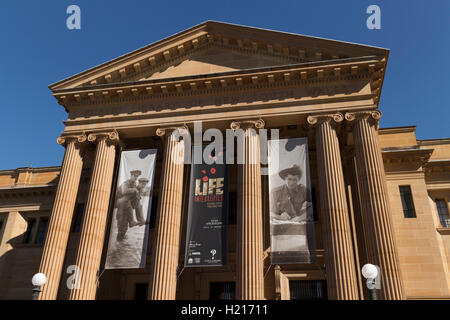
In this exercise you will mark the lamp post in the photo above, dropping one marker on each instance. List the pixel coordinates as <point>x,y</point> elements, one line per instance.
<point>370,272</point>
<point>38,281</point>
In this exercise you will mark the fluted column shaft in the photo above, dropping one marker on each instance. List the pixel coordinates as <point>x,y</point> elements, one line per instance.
<point>249,256</point>
<point>168,221</point>
<point>375,210</point>
<point>340,260</point>
<point>95,217</point>
<point>61,217</point>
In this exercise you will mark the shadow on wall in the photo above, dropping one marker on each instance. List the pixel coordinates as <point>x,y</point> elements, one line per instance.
<point>17,267</point>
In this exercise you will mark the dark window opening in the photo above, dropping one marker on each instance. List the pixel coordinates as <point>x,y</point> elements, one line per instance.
<point>407,202</point>
<point>141,291</point>
<point>442,209</point>
<point>308,289</point>
<point>31,225</point>
<point>42,231</point>
<point>1,230</point>
<point>79,213</point>
<point>232,205</point>
<point>222,291</point>
<point>153,211</point>
<point>314,203</point>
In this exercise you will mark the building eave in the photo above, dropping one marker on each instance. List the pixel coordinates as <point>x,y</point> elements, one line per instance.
<point>285,74</point>
<point>212,30</point>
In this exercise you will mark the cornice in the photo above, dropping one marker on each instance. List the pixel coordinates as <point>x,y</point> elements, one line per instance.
<point>26,187</point>
<point>432,142</point>
<point>27,191</point>
<point>438,166</point>
<point>258,41</point>
<point>394,130</point>
<point>437,185</point>
<point>404,175</point>
<point>30,169</point>
<point>406,155</point>
<point>263,78</point>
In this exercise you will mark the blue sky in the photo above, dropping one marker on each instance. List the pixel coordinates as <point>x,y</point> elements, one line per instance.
<point>36,49</point>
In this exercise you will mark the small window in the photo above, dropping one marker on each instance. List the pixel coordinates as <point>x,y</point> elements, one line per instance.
<point>314,204</point>
<point>442,209</point>
<point>232,207</point>
<point>42,230</point>
<point>153,211</point>
<point>141,291</point>
<point>308,289</point>
<point>407,202</point>
<point>222,291</point>
<point>79,212</point>
<point>1,229</point>
<point>29,234</point>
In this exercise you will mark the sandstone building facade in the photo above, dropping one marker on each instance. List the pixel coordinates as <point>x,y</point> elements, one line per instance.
<point>380,195</point>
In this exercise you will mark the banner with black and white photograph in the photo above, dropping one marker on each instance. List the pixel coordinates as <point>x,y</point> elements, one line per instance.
<point>291,211</point>
<point>127,247</point>
<point>206,236</point>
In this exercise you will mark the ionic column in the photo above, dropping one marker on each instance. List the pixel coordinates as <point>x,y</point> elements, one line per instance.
<point>168,221</point>
<point>249,255</point>
<point>95,216</point>
<point>375,210</point>
<point>61,218</point>
<point>339,253</point>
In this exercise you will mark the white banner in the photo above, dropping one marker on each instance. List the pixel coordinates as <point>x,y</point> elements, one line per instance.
<point>127,247</point>
<point>291,211</point>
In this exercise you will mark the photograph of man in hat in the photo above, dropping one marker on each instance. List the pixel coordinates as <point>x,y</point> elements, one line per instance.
<point>126,195</point>
<point>291,200</point>
<point>130,223</point>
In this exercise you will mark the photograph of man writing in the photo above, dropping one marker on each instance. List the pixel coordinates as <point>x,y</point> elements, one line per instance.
<point>290,201</point>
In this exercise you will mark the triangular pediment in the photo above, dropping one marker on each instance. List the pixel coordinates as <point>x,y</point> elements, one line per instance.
<point>213,59</point>
<point>214,47</point>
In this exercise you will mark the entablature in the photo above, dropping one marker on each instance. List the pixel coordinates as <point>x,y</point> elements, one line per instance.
<point>299,75</point>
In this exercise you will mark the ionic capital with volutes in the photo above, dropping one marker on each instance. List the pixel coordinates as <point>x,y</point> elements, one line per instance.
<point>248,124</point>
<point>163,131</point>
<point>78,139</point>
<point>111,137</point>
<point>332,118</point>
<point>371,116</point>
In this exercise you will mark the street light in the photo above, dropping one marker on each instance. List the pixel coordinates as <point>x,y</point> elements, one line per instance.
<point>370,272</point>
<point>38,281</point>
